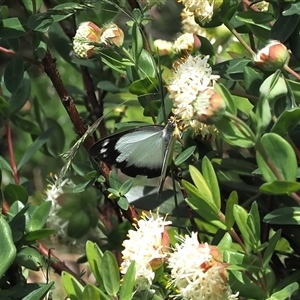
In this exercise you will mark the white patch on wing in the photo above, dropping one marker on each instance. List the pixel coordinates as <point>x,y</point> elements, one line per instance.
<point>103,150</point>
<point>142,148</point>
<point>105,143</point>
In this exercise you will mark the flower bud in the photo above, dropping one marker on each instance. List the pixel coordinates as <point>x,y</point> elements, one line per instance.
<point>209,106</point>
<point>112,34</point>
<point>187,42</point>
<point>272,57</point>
<point>87,32</point>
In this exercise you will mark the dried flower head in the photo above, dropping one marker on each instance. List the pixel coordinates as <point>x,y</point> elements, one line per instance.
<point>112,34</point>
<point>87,33</point>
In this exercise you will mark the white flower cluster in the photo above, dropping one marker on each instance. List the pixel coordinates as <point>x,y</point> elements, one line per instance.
<point>194,272</point>
<point>202,9</point>
<point>147,247</point>
<point>196,269</point>
<point>53,192</point>
<point>188,87</point>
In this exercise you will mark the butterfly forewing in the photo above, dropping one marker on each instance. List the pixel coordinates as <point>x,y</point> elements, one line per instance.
<point>136,152</point>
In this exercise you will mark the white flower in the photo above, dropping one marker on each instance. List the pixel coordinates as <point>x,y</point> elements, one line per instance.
<point>163,47</point>
<point>53,192</point>
<point>147,247</point>
<point>202,9</point>
<point>197,271</point>
<point>190,79</point>
<point>186,42</point>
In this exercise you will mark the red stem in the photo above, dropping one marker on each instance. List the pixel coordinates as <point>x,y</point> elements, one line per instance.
<point>11,152</point>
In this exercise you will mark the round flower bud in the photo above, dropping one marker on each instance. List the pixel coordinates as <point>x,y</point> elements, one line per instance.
<point>209,106</point>
<point>272,57</point>
<point>87,32</point>
<point>112,34</point>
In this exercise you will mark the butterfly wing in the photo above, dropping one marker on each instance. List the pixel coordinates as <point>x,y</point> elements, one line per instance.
<point>135,152</point>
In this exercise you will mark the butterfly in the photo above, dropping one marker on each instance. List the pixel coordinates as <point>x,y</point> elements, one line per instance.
<point>146,150</point>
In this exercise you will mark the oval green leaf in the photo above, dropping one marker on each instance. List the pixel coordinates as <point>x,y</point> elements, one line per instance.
<point>13,74</point>
<point>280,154</point>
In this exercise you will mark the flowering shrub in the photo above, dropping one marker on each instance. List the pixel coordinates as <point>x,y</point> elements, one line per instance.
<point>221,221</point>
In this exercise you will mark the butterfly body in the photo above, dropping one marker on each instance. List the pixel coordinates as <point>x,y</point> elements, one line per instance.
<point>141,151</point>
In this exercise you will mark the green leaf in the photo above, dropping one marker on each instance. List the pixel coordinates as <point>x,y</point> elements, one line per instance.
<point>79,224</point>
<point>39,293</point>
<point>81,187</point>
<point>280,187</point>
<point>273,88</point>
<point>34,147</point>
<point>284,216</point>
<point>211,181</point>
<point>39,217</point>
<point>20,97</point>
<point>13,74</point>
<point>4,165</point>
<point>25,125</point>
<point>123,203</point>
<point>253,222</point>
<point>201,207</point>
<point>144,86</point>
<point>255,17</point>
<point>285,293</point>
<point>14,192</point>
<point>8,249</point>
<point>115,61</point>
<point>39,22</point>
<point>230,132</point>
<point>287,121</point>
<point>94,257</point>
<point>241,216</point>
<point>39,234</point>
<point>271,248</point>
<point>263,115</point>
<point>32,6</point>
<point>284,26</point>
<point>146,65</point>
<point>127,288</point>
<point>111,274</point>
<point>114,181</point>
<point>231,201</point>
<point>3,107</point>
<point>137,38</point>
<point>227,97</point>
<point>183,156</point>
<point>92,292</point>
<point>203,189</point>
<point>12,28</point>
<point>280,154</point>
<point>30,258</point>
<point>125,187</point>
<point>72,287</point>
